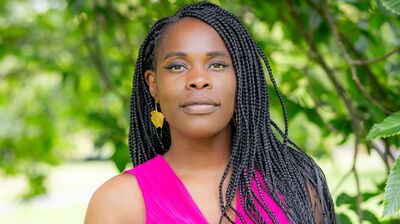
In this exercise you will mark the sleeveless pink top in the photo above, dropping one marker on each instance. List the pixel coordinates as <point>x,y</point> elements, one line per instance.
<point>168,201</point>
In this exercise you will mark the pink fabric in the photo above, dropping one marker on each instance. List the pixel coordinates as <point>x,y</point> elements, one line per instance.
<point>168,201</point>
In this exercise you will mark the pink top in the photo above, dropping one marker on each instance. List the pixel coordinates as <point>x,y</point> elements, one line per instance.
<point>168,201</point>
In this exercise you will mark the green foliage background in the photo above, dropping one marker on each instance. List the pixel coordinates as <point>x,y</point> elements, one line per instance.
<point>66,70</point>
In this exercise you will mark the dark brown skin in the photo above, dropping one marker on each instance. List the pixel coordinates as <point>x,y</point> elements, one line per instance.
<point>195,84</point>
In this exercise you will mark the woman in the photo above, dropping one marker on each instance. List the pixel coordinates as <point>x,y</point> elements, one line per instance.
<point>214,158</point>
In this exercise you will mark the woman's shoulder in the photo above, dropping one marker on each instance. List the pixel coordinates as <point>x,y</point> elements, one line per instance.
<point>119,200</point>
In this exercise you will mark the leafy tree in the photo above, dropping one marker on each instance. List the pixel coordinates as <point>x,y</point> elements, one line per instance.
<point>390,127</point>
<point>66,71</point>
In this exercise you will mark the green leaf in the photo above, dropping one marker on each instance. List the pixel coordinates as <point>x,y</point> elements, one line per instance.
<point>392,5</point>
<point>371,217</point>
<point>368,195</point>
<point>344,219</point>
<point>120,156</point>
<point>392,190</point>
<point>344,199</point>
<point>389,127</point>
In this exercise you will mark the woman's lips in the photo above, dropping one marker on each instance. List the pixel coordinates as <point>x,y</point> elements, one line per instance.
<point>200,108</point>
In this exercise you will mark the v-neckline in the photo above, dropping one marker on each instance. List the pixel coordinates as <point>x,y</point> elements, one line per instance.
<point>188,195</point>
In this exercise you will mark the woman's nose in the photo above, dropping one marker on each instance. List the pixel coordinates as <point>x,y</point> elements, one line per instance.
<point>199,79</point>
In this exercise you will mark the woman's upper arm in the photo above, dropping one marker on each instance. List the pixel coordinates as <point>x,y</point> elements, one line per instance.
<point>119,200</point>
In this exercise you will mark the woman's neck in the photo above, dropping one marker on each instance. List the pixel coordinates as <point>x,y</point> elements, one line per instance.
<point>201,155</point>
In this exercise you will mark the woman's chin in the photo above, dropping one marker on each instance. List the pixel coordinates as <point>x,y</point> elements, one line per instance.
<point>203,131</point>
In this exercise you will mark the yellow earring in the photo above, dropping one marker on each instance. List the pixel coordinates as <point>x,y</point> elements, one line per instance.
<point>157,118</point>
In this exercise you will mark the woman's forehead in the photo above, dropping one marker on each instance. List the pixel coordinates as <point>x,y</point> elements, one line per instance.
<point>191,35</point>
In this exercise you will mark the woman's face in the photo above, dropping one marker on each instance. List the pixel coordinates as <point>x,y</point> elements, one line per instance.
<point>194,81</point>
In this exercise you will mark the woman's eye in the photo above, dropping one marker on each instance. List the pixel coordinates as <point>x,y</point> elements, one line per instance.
<point>175,68</point>
<point>218,66</point>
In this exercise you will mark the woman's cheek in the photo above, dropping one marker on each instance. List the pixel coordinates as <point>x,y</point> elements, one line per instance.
<point>168,98</point>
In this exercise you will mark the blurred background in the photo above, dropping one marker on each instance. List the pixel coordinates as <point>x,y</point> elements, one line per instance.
<point>65,81</point>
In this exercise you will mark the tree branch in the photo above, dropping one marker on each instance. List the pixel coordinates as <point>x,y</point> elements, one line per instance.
<point>95,53</point>
<point>374,60</point>
<point>315,55</point>
<point>341,181</point>
<point>385,156</point>
<point>357,179</point>
<point>318,105</point>
<point>373,80</point>
<point>345,40</point>
<point>118,18</point>
<point>347,57</point>
<point>355,120</point>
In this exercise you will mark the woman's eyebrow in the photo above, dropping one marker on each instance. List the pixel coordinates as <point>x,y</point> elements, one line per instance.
<point>216,54</point>
<point>175,54</point>
<point>183,54</point>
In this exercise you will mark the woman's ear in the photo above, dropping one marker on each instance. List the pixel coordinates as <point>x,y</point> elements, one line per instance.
<point>150,77</point>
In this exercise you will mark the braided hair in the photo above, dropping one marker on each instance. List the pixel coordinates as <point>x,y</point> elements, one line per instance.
<point>284,169</point>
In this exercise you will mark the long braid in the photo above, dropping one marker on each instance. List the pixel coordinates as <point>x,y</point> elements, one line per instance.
<point>231,191</point>
<point>284,169</point>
